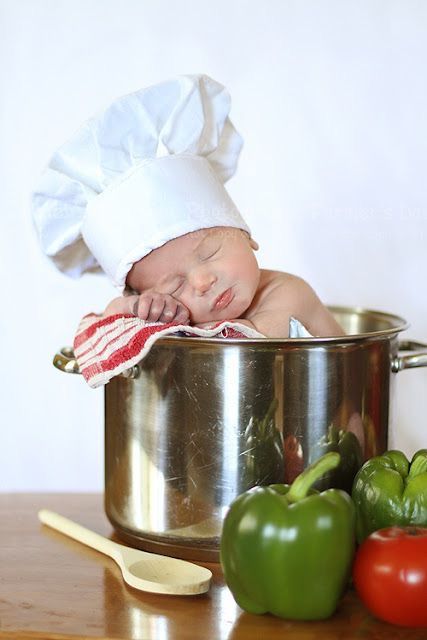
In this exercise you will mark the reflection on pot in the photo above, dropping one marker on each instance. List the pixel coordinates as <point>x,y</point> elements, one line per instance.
<point>346,443</point>
<point>294,458</point>
<point>263,452</point>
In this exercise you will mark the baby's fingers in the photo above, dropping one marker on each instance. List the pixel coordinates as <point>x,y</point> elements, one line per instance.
<point>141,307</point>
<point>174,312</point>
<point>149,307</point>
<point>182,315</point>
<point>155,307</point>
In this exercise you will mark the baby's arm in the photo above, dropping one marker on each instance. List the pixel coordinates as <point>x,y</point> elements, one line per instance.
<point>122,305</point>
<point>150,306</point>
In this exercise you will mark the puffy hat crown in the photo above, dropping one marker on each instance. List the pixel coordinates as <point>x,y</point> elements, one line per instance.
<point>145,170</point>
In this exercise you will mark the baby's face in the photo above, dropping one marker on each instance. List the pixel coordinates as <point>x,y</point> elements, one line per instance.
<point>213,272</point>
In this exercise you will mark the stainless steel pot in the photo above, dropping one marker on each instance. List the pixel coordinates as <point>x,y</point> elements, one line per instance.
<point>198,421</point>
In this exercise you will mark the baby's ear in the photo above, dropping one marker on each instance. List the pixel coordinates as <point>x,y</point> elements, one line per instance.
<point>254,244</point>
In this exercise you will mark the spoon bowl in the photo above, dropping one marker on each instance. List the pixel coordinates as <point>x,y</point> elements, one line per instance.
<point>140,569</point>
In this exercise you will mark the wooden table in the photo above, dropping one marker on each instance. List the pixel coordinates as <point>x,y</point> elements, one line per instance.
<point>53,588</point>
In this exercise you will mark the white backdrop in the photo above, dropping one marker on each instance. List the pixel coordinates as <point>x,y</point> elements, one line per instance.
<point>331,99</point>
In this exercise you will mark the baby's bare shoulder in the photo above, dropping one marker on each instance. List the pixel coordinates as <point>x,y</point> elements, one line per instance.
<point>274,285</point>
<point>281,296</point>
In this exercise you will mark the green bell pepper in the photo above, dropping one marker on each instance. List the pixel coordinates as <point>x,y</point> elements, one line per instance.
<point>288,549</point>
<point>388,490</point>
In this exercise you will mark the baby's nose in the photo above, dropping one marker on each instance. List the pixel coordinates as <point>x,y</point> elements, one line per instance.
<point>202,283</point>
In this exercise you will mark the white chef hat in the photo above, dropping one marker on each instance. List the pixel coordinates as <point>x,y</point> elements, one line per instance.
<point>147,169</point>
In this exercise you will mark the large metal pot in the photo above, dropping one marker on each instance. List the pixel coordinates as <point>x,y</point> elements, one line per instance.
<point>198,421</point>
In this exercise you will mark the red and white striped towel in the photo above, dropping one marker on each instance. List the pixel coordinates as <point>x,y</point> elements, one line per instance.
<point>105,347</point>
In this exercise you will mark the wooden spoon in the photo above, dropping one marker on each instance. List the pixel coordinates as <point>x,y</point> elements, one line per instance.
<point>141,570</point>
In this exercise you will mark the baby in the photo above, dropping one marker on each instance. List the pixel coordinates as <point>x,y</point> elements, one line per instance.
<point>138,192</point>
<point>211,275</point>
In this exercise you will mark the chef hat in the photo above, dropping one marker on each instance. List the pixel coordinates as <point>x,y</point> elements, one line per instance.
<point>147,169</point>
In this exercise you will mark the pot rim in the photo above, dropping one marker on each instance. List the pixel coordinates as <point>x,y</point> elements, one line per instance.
<point>398,324</point>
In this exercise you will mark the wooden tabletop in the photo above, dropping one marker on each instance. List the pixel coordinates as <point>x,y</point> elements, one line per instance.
<point>53,588</point>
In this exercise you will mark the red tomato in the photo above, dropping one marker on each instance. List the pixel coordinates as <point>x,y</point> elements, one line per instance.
<point>390,575</point>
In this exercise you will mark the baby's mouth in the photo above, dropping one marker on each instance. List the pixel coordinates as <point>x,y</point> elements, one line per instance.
<point>223,300</point>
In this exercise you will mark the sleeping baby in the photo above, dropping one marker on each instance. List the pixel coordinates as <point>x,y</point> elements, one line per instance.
<point>138,192</point>
<point>212,275</point>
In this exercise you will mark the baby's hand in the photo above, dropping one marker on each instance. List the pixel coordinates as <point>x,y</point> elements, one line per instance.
<point>160,307</point>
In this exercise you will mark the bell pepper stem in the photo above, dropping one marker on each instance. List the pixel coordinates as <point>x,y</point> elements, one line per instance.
<point>418,465</point>
<point>301,485</point>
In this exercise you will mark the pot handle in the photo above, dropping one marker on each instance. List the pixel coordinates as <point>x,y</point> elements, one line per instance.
<point>65,360</point>
<point>418,359</point>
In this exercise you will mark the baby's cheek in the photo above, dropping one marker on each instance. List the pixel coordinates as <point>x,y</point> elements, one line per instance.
<point>202,314</point>
<point>238,307</point>
<point>189,303</point>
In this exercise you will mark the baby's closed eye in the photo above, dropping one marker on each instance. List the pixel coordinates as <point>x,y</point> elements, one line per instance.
<point>210,254</point>
<point>177,286</point>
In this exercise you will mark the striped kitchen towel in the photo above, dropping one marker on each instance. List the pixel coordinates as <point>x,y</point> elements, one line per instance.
<point>104,347</point>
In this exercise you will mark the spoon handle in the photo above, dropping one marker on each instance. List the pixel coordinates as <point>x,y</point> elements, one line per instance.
<point>77,532</point>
